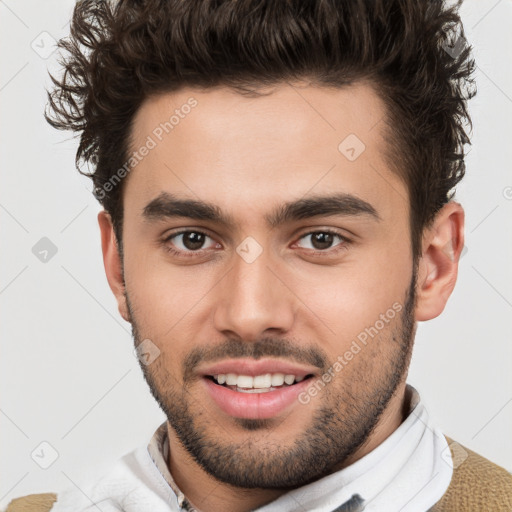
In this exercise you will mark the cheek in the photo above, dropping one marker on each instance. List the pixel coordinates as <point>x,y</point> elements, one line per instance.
<point>363,286</point>
<point>165,298</point>
<point>348,300</point>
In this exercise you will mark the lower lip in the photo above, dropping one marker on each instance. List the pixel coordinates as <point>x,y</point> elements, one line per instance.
<point>254,405</point>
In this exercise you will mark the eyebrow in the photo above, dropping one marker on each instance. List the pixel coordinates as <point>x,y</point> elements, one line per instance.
<point>167,206</point>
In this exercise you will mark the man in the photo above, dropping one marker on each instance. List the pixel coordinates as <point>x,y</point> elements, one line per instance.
<point>277,181</point>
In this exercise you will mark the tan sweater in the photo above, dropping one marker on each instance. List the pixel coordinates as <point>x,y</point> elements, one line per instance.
<point>477,485</point>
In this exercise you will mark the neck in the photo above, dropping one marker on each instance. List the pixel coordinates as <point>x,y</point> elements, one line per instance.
<point>204,491</point>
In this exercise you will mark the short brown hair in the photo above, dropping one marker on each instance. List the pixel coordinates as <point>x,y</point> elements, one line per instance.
<point>412,51</point>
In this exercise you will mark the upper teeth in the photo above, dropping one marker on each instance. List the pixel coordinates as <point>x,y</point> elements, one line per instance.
<point>258,382</point>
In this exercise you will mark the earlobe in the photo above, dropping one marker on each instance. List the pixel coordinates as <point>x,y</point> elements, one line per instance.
<point>112,262</point>
<point>443,242</point>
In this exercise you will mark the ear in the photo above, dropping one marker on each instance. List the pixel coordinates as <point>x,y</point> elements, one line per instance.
<point>442,245</point>
<point>112,262</point>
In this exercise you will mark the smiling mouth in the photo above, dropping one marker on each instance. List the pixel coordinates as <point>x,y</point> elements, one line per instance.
<point>264,383</point>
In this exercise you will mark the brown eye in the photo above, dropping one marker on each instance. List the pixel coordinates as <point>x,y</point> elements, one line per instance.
<point>193,241</point>
<point>188,241</point>
<point>322,240</point>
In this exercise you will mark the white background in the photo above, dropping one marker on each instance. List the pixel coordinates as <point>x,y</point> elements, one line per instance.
<point>67,371</point>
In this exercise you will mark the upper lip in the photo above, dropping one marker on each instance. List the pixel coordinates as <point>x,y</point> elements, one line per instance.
<point>253,367</point>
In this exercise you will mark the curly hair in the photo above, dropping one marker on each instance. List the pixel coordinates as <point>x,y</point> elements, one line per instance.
<point>413,52</point>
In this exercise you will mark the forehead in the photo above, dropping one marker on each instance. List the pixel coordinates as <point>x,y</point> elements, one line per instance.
<point>244,152</point>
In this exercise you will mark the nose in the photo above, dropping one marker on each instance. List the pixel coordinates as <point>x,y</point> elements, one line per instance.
<point>253,300</point>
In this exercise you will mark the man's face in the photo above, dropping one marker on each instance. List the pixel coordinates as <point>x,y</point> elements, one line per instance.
<point>317,290</point>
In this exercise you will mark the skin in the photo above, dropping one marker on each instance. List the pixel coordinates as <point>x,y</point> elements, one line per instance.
<point>248,156</point>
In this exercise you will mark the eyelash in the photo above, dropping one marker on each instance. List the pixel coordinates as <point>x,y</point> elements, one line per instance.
<point>187,254</point>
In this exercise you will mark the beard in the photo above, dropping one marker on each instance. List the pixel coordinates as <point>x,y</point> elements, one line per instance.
<point>352,405</point>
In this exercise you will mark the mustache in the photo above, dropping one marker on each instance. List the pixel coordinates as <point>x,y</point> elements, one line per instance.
<point>266,347</point>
